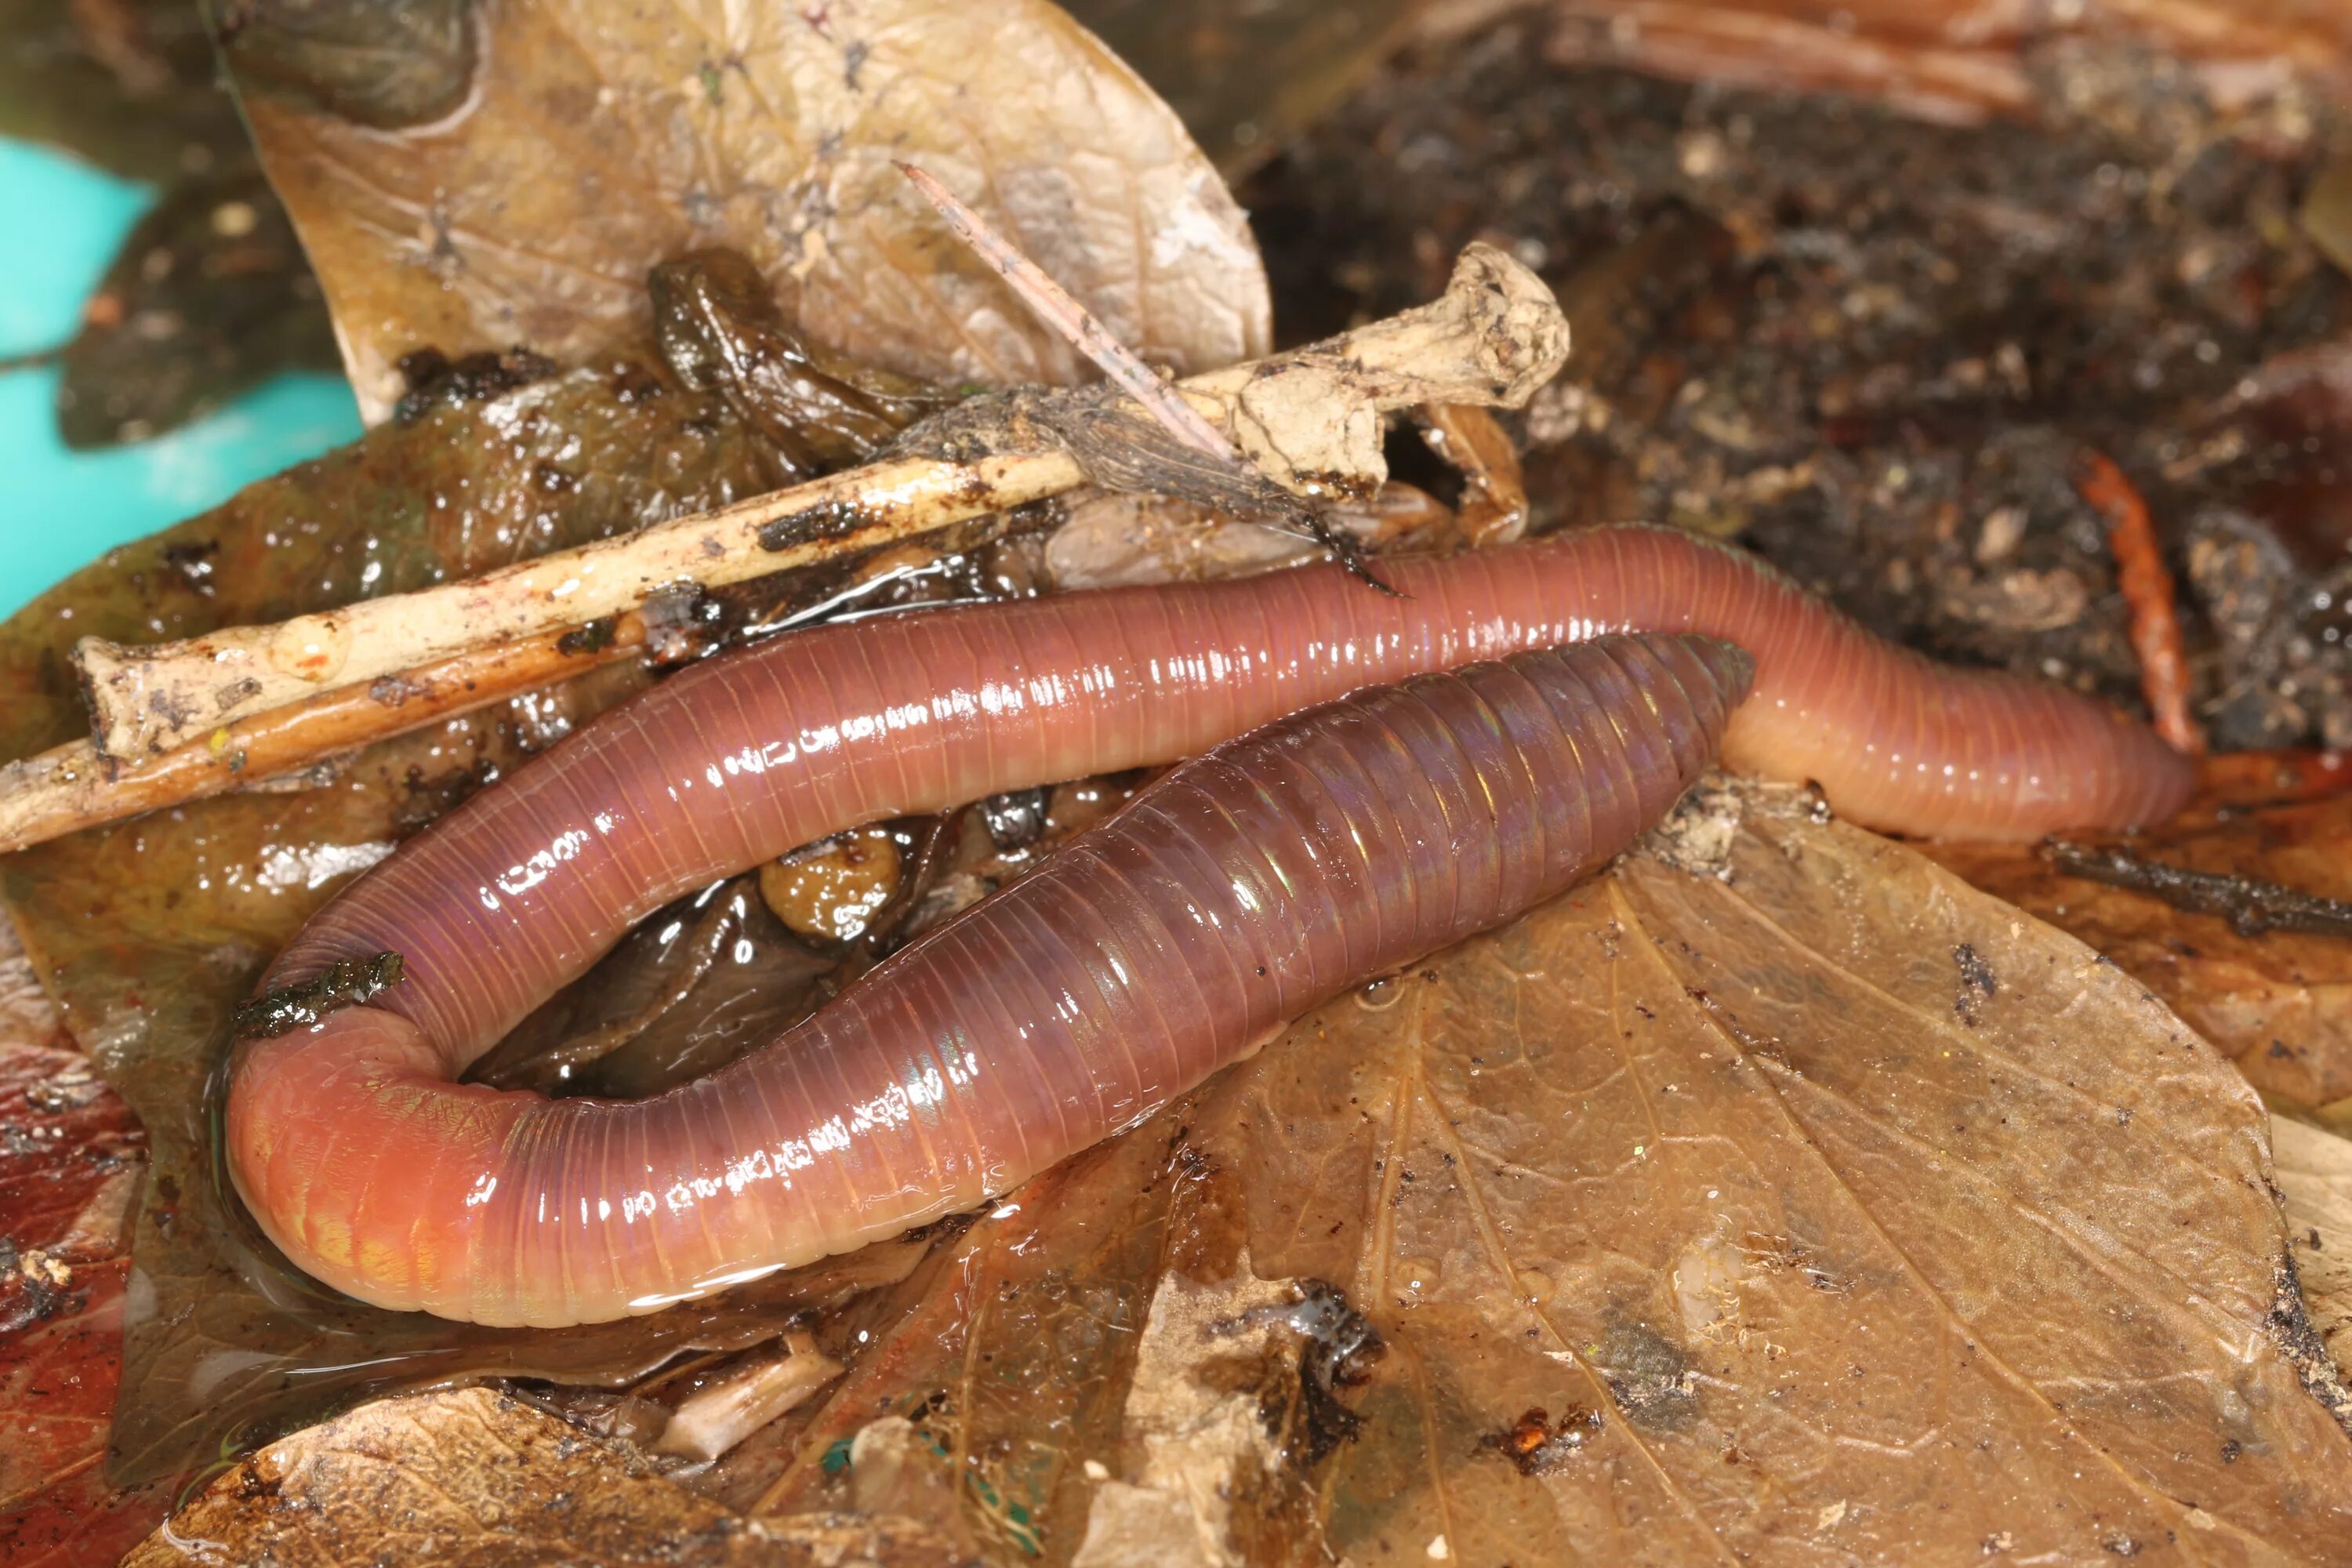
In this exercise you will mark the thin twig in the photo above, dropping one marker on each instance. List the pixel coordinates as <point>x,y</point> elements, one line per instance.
<point>1057,308</point>
<point>2148,590</point>
<point>2250,905</point>
<point>1060,310</point>
<point>148,700</point>
<point>71,787</point>
<point>37,359</point>
<point>179,721</point>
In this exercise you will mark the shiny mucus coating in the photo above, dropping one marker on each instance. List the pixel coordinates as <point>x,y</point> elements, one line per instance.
<point>1242,889</point>
<point>724,767</point>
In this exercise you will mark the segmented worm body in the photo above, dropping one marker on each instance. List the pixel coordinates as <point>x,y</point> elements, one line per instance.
<point>1134,963</point>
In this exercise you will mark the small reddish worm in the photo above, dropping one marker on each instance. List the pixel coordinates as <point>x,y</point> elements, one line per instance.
<point>1244,888</point>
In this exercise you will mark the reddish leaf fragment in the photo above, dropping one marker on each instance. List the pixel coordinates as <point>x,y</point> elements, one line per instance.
<point>2148,588</point>
<point>72,1156</point>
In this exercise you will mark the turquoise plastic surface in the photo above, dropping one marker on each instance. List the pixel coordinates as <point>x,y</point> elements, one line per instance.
<point>60,510</point>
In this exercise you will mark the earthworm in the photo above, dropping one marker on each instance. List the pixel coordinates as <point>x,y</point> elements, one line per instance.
<point>1246,887</point>
<point>374,1171</point>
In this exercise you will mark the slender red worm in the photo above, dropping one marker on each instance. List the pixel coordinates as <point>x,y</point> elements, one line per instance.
<point>375,1171</point>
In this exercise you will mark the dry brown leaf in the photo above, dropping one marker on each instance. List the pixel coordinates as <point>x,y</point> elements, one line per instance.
<point>2278,1003</point>
<point>1832,1211</point>
<point>591,142</point>
<point>474,1477</point>
<point>2314,1170</point>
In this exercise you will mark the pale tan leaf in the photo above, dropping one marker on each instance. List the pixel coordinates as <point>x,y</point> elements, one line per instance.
<point>592,142</point>
<point>2314,1170</point>
<point>1804,1207</point>
<point>473,1477</point>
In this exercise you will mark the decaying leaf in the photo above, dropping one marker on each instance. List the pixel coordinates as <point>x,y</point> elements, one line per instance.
<point>209,295</point>
<point>476,1476</point>
<point>2314,1171</point>
<point>590,144</point>
<point>69,1165</point>
<point>1809,1205</point>
<point>127,84</point>
<point>2277,1002</point>
<point>148,935</point>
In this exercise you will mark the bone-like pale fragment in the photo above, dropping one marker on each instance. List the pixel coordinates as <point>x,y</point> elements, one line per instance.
<point>1310,420</point>
<point>715,1420</point>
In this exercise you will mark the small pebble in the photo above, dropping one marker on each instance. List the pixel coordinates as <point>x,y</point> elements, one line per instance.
<point>832,889</point>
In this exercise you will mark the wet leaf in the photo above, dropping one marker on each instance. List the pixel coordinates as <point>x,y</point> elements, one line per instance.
<point>2278,1003</point>
<point>149,933</point>
<point>599,142</point>
<point>1823,1208</point>
<point>209,296</point>
<point>474,1477</point>
<point>70,1160</point>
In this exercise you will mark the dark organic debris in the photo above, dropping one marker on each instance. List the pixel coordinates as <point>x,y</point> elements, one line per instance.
<point>1538,1445</point>
<point>1341,1347</point>
<point>1016,819</point>
<point>1651,1377</point>
<point>595,636</point>
<point>720,329</point>
<point>208,296</point>
<point>2291,1328</point>
<point>348,982</point>
<point>385,67</point>
<point>432,378</point>
<point>2250,905</point>
<point>828,520</point>
<point>1871,348</point>
<point>1977,985</point>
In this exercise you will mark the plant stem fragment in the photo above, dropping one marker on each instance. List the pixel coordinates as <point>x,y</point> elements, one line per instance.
<point>2148,590</point>
<point>70,787</point>
<point>1305,421</point>
<point>1059,309</point>
<point>2250,905</point>
<point>2273,778</point>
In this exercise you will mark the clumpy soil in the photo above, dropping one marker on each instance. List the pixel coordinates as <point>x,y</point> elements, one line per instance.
<point>1873,349</point>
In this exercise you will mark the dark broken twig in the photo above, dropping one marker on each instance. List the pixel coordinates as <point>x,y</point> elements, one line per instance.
<point>2250,905</point>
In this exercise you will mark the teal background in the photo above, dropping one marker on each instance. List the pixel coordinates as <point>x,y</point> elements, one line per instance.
<point>61,509</point>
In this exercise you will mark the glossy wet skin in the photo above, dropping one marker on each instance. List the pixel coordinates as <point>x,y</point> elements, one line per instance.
<point>730,765</point>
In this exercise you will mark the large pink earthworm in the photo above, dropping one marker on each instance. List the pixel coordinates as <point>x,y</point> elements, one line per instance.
<point>1241,890</point>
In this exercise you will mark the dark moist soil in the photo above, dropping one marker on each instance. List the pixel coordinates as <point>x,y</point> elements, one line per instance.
<point>1872,349</point>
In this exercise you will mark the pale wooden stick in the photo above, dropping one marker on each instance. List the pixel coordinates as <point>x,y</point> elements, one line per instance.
<point>150,700</point>
<point>1308,420</point>
<point>70,787</point>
